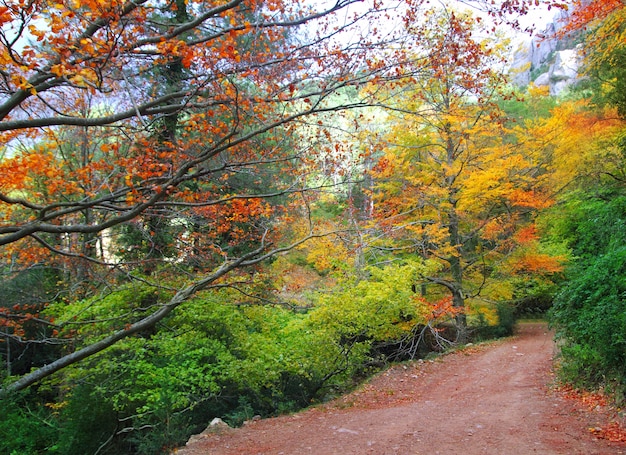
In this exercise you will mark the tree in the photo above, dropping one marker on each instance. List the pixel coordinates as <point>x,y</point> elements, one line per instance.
<point>601,24</point>
<point>143,116</point>
<point>588,312</point>
<point>605,55</point>
<point>590,13</point>
<point>453,186</point>
<point>587,138</point>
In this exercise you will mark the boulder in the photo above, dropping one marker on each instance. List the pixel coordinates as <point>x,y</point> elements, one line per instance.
<point>218,423</point>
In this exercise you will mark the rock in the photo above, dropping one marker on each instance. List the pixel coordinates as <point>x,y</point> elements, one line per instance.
<point>543,80</point>
<point>543,45</point>
<point>521,63</point>
<point>562,74</point>
<point>347,430</point>
<point>218,423</point>
<point>547,59</point>
<point>565,65</point>
<point>217,426</point>
<point>564,71</point>
<point>256,418</point>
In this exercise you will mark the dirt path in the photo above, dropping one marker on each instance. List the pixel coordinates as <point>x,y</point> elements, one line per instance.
<point>485,400</point>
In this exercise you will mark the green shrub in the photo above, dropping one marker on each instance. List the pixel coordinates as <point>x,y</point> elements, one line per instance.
<point>209,359</point>
<point>507,318</point>
<point>148,393</point>
<point>580,365</point>
<point>27,426</point>
<point>86,421</point>
<point>589,315</point>
<point>534,306</point>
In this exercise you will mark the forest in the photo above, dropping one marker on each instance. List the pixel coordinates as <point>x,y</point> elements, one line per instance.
<point>239,208</point>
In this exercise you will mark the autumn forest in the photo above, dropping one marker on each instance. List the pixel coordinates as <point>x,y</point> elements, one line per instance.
<point>234,208</point>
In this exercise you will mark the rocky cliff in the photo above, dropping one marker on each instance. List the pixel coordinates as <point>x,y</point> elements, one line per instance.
<point>547,59</point>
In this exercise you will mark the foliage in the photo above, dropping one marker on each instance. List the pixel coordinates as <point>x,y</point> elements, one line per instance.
<point>160,159</point>
<point>604,49</point>
<point>210,359</point>
<point>589,13</point>
<point>612,431</point>
<point>383,307</point>
<point>85,421</point>
<point>589,309</point>
<point>448,187</point>
<point>590,316</point>
<point>165,139</point>
<point>27,426</point>
<point>384,316</point>
<point>534,103</point>
<point>505,325</point>
<point>25,297</point>
<point>176,138</point>
<point>213,358</point>
<point>591,225</point>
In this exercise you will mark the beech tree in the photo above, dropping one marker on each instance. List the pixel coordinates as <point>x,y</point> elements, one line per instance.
<point>453,186</point>
<point>148,139</point>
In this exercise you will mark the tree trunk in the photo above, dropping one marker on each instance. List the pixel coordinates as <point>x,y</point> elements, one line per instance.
<point>458,301</point>
<point>456,270</point>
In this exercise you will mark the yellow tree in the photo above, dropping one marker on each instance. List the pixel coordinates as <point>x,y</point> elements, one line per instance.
<point>452,185</point>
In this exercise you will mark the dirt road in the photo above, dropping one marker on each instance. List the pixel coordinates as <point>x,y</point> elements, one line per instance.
<point>491,399</point>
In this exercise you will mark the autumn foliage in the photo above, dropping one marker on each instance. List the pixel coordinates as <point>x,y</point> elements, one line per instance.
<point>457,184</point>
<point>161,138</point>
<point>264,199</point>
<point>597,402</point>
<point>591,13</point>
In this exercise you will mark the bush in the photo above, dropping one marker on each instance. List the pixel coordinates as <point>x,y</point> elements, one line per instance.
<point>87,421</point>
<point>589,315</point>
<point>534,306</point>
<point>27,426</point>
<point>148,393</point>
<point>507,319</point>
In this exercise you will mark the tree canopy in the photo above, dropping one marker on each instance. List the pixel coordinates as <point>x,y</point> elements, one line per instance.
<point>144,136</point>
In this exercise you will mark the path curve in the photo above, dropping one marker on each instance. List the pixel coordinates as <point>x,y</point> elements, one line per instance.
<point>490,399</point>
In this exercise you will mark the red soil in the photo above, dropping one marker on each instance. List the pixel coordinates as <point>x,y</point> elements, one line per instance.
<point>488,399</point>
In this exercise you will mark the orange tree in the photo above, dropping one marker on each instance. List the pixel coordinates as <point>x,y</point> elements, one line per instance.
<point>454,185</point>
<point>145,140</point>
